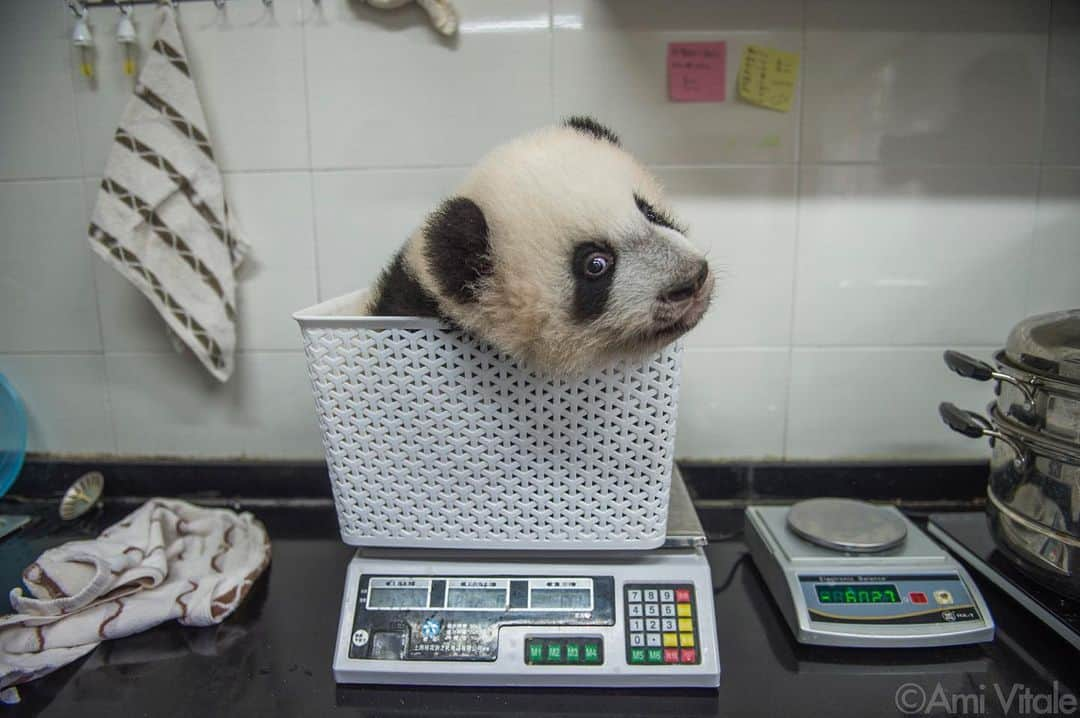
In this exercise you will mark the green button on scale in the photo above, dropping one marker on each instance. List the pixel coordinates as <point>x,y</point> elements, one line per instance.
<point>573,653</point>
<point>592,653</point>
<point>554,653</point>
<point>536,652</point>
<point>655,655</point>
<point>637,655</point>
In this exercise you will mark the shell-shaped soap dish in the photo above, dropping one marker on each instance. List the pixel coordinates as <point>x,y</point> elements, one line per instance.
<point>82,495</point>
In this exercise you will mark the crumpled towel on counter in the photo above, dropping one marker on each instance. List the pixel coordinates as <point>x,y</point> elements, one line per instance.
<point>167,560</point>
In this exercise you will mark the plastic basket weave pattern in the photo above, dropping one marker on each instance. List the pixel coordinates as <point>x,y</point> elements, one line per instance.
<point>436,440</point>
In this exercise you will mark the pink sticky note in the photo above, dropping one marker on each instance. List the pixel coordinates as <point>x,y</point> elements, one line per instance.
<point>696,71</point>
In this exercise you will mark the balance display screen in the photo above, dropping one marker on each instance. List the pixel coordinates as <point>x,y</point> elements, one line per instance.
<point>857,593</point>
<point>494,598</point>
<point>578,599</point>
<point>395,597</point>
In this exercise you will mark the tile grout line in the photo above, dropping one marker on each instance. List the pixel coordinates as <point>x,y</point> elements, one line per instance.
<point>316,275</point>
<point>784,436</point>
<point>1033,238</point>
<point>551,62</point>
<point>106,394</point>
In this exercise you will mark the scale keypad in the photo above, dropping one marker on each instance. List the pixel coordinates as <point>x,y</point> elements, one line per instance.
<point>661,624</point>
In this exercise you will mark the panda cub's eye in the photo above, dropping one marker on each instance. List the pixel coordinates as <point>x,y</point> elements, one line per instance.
<point>597,264</point>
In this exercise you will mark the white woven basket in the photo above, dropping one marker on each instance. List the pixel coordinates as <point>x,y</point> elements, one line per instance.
<point>435,440</point>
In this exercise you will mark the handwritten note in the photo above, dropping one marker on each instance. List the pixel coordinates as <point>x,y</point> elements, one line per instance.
<point>696,71</point>
<point>767,77</point>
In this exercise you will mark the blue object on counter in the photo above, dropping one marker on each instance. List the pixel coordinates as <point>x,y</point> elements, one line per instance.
<point>12,434</point>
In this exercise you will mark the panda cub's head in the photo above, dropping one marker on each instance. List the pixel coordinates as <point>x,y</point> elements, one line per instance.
<point>558,250</point>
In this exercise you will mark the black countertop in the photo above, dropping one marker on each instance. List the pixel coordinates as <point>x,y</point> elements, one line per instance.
<point>272,657</point>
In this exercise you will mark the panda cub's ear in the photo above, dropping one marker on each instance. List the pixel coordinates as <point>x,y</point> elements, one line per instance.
<point>591,127</point>
<point>457,249</point>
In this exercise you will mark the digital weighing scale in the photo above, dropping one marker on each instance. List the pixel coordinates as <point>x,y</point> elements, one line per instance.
<point>486,618</point>
<point>847,573</point>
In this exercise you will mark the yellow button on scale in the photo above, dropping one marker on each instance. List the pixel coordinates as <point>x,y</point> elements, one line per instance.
<point>685,625</point>
<point>670,640</point>
<point>686,640</point>
<point>683,609</point>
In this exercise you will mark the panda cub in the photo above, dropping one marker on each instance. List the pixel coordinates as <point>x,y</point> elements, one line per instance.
<point>557,250</point>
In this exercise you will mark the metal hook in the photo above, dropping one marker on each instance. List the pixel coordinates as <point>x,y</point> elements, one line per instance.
<point>268,3</point>
<point>77,8</point>
<point>125,10</point>
<point>219,4</point>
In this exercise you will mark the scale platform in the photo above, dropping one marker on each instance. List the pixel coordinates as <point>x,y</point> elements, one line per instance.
<point>641,619</point>
<point>847,573</point>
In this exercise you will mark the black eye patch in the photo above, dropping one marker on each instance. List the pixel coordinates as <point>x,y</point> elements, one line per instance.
<point>657,216</point>
<point>591,292</point>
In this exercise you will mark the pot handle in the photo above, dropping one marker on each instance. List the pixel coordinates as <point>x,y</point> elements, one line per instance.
<point>968,366</point>
<point>975,426</point>
<point>971,368</point>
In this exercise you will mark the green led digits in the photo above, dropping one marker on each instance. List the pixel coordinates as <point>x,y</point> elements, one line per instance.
<point>860,593</point>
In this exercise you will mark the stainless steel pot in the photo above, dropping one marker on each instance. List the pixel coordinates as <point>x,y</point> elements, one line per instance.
<point>1033,496</point>
<point>1037,374</point>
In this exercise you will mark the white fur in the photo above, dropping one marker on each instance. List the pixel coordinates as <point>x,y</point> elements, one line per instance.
<point>541,195</point>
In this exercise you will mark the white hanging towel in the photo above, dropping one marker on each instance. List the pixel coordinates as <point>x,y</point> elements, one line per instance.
<point>161,218</point>
<point>167,560</point>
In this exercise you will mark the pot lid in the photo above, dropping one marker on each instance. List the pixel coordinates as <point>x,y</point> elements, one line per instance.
<point>1047,344</point>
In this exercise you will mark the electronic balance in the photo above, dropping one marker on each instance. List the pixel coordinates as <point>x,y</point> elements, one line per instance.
<point>848,573</point>
<point>485,618</point>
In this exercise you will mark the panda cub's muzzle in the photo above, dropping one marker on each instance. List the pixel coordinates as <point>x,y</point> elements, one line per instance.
<point>681,305</point>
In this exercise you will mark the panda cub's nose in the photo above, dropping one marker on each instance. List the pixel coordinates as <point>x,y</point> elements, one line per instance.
<point>681,291</point>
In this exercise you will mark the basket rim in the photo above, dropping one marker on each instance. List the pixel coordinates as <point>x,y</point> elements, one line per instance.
<point>346,310</point>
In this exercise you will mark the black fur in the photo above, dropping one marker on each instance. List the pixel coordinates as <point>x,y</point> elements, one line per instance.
<point>457,249</point>
<point>400,295</point>
<point>591,127</point>
<point>657,216</point>
<point>591,293</point>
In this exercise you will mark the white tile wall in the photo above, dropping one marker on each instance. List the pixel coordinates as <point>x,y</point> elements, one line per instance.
<point>924,81</point>
<point>1054,279</point>
<point>46,281</point>
<point>610,61</point>
<point>165,404</point>
<point>1061,145</point>
<point>38,134</point>
<point>362,218</point>
<point>890,255</point>
<point>879,403</point>
<point>733,404</point>
<point>385,91</point>
<point>923,193</point>
<point>64,395</point>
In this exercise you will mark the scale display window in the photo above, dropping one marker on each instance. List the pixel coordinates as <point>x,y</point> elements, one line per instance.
<point>831,593</point>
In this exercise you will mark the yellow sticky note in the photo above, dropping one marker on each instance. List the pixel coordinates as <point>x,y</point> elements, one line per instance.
<point>767,77</point>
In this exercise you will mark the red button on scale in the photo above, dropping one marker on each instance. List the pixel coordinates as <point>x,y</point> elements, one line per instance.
<point>917,597</point>
<point>671,655</point>
<point>688,655</point>
<point>682,595</point>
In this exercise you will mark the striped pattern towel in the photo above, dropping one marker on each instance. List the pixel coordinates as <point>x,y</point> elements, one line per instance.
<point>161,218</point>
